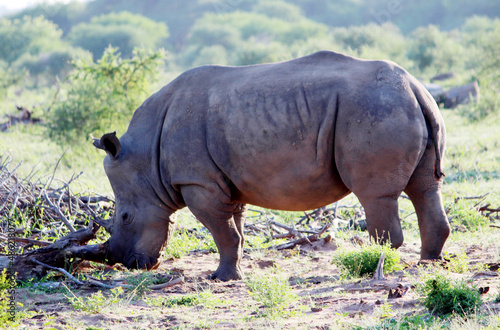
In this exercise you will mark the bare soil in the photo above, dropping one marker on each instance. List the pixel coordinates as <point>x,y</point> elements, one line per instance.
<point>325,300</point>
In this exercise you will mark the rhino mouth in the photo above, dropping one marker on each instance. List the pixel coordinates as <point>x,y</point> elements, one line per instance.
<point>141,261</point>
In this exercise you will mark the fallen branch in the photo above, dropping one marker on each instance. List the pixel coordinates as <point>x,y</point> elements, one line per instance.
<point>471,197</point>
<point>486,208</point>
<point>58,255</point>
<point>168,284</point>
<point>24,240</point>
<point>61,215</point>
<point>308,239</point>
<point>67,274</point>
<point>292,232</point>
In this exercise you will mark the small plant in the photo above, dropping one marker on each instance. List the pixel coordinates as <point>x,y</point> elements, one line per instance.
<point>10,317</point>
<point>182,242</point>
<point>184,300</point>
<point>204,298</point>
<point>364,260</point>
<point>141,282</point>
<point>480,267</point>
<point>462,214</point>
<point>497,299</point>
<point>444,297</point>
<point>457,264</point>
<point>273,292</point>
<point>412,322</point>
<point>385,311</point>
<point>96,302</point>
<point>102,94</point>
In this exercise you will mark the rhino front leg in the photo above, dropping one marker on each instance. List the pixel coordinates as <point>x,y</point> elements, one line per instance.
<point>224,220</point>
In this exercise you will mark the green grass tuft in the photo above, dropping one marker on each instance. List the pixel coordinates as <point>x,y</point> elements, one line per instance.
<point>363,260</point>
<point>274,294</point>
<point>444,297</point>
<point>463,214</point>
<point>183,242</point>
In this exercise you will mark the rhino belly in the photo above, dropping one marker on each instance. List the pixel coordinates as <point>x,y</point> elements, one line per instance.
<point>291,189</point>
<point>283,174</point>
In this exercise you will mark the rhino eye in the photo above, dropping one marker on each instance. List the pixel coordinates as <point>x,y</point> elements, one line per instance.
<point>126,219</point>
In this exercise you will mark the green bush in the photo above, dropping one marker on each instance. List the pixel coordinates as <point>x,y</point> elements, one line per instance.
<point>96,302</point>
<point>123,30</point>
<point>278,9</point>
<point>103,95</point>
<point>273,292</point>
<point>54,63</point>
<point>443,297</point>
<point>436,51</point>
<point>462,214</point>
<point>206,299</point>
<point>28,35</point>
<point>8,77</point>
<point>183,242</point>
<point>6,318</point>
<point>364,260</point>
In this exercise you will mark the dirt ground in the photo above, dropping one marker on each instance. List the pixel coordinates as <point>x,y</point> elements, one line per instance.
<point>325,301</point>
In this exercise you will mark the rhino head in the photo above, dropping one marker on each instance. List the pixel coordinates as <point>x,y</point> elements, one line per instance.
<point>142,224</point>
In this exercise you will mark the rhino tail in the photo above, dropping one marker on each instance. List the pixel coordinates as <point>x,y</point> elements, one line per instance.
<point>436,124</point>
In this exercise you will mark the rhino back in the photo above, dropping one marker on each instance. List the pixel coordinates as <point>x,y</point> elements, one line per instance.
<point>265,133</point>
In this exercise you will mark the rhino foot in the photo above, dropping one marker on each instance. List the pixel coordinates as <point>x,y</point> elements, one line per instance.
<point>227,274</point>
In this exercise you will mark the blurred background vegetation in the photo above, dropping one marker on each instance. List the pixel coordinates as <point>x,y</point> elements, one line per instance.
<point>84,67</point>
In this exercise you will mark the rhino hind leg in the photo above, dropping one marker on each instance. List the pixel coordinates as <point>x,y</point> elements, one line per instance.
<point>424,191</point>
<point>224,220</point>
<point>382,220</point>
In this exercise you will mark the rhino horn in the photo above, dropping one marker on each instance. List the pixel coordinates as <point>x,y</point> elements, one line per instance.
<point>96,142</point>
<point>109,143</point>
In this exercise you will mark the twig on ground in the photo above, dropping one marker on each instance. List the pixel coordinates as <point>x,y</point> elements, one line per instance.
<point>67,274</point>
<point>58,211</point>
<point>471,197</point>
<point>168,284</point>
<point>291,231</point>
<point>308,239</point>
<point>25,240</point>
<point>487,208</point>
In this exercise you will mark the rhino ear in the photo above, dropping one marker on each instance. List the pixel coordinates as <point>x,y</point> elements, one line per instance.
<point>109,143</point>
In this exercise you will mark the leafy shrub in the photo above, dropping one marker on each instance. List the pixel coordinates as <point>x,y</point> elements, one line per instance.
<point>27,35</point>
<point>443,297</point>
<point>273,292</point>
<point>96,302</point>
<point>8,77</point>
<point>279,9</point>
<point>141,282</point>
<point>363,260</point>
<point>5,316</point>
<point>462,214</point>
<point>436,50</point>
<point>183,242</point>
<point>458,264</point>
<point>98,96</point>
<point>123,30</point>
<point>54,63</point>
<point>412,322</point>
<point>204,298</point>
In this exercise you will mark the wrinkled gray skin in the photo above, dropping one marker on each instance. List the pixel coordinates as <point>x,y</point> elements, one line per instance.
<point>295,135</point>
